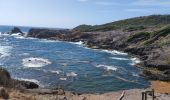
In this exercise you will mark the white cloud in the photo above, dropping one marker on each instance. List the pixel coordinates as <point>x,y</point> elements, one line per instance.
<point>82,0</point>
<point>152,3</point>
<point>139,10</point>
<point>105,3</point>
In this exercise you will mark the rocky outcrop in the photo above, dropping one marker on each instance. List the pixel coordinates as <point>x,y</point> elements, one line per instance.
<point>16,30</point>
<point>7,81</point>
<point>46,33</point>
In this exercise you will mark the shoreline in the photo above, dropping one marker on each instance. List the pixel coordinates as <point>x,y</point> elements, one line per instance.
<point>45,94</point>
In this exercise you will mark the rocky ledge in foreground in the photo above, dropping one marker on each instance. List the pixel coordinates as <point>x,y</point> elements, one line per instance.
<point>147,37</point>
<point>7,81</point>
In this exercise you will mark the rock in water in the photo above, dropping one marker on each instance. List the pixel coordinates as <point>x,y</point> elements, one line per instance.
<point>16,30</point>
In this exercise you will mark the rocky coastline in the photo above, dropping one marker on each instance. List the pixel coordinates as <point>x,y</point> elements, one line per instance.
<point>154,56</point>
<point>150,44</point>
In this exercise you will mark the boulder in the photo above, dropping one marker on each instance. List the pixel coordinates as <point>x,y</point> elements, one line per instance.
<point>3,94</point>
<point>16,30</point>
<point>6,81</point>
<point>4,77</point>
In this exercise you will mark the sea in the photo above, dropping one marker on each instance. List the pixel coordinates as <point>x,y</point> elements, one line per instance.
<point>70,65</point>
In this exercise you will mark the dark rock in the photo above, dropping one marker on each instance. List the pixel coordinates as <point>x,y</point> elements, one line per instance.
<point>4,77</point>
<point>46,33</point>
<point>16,30</point>
<point>29,85</point>
<point>155,76</point>
<point>3,93</point>
<point>6,81</point>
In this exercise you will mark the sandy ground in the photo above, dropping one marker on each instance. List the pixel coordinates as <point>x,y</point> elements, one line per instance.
<point>161,87</point>
<point>134,94</point>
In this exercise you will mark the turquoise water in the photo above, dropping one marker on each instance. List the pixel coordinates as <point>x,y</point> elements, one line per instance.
<point>71,65</point>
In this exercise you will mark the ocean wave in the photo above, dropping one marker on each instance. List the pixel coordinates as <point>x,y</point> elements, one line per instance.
<point>77,43</point>
<point>18,36</point>
<point>135,74</point>
<point>5,51</point>
<point>29,80</point>
<point>107,67</point>
<point>115,52</point>
<point>50,71</point>
<point>24,54</point>
<point>55,71</point>
<point>135,61</point>
<point>71,74</point>
<point>117,58</point>
<point>63,78</point>
<point>35,62</point>
<point>48,41</point>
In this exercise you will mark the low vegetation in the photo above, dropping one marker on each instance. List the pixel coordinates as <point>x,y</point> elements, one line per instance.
<point>132,24</point>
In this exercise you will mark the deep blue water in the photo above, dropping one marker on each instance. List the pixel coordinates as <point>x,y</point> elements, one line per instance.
<point>76,68</point>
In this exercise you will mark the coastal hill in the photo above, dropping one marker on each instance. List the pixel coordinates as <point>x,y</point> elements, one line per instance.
<point>132,24</point>
<point>146,37</point>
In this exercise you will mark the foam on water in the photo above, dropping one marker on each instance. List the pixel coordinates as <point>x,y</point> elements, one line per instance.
<point>135,74</point>
<point>25,54</point>
<point>77,43</point>
<point>71,74</point>
<point>135,61</point>
<point>63,78</point>
<point>5,51</point>
<point>107,67</point>
<point>35,62</point>
<point>117,58</point>
<point>48,41</point>
<point>55,71</point>
<point>115,52</point>
<point>17,35</point>
<point>29,80</point>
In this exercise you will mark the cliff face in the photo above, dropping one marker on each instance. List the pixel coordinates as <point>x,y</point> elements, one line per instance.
<point>146,37</point>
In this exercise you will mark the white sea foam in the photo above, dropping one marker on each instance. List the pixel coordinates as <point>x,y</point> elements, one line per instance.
<point>79,43</point>
<point>55,71</point>
<point>29,80</point>
<point>135,61</point>
<point>135,74</point>
<point>117,58</point>
<point>25,54</point>
<point>5,51</point>
<point>115,52</point>
<point>47,41</point>
<point>63,78</point>
<point>71,74</point>
<point>4,34</point>
<point>107,67</point>
<point>35,62</point>
<point>17,35</point>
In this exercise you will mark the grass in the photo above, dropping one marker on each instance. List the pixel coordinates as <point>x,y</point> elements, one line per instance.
<point>131,24</point>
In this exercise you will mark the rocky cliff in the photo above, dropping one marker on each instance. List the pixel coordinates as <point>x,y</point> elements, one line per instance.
<point>7,81</point>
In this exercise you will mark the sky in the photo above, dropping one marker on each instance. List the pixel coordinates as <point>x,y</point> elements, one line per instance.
<point>71,13</point>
